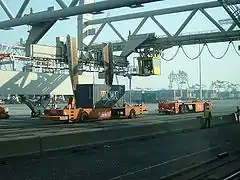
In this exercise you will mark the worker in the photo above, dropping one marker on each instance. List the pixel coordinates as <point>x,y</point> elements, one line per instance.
<point>207,117</point>
<point>237,114</point>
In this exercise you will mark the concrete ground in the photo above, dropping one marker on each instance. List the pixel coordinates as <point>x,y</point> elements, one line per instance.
<point>149,159</point>
<point>20,123</point>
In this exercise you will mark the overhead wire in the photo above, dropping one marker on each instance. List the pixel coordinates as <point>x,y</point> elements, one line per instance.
<point>201,51</point>
<point>173,55</point>
<point>199,54</point>
<point>234,47</point>
<point>224,54</point>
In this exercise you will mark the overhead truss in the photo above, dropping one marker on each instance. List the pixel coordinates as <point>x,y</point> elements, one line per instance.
<point>168,40</point>
<point>50,14</point>
<point>41,22</point>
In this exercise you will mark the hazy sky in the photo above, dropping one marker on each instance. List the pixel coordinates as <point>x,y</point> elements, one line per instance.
<point>212,69</point>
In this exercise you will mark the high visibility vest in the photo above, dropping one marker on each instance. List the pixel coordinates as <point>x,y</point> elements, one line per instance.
<point>207,113</point>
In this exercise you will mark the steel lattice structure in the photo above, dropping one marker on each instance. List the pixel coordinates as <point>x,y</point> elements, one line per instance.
<point>169,40</point>
<point>41,22</point>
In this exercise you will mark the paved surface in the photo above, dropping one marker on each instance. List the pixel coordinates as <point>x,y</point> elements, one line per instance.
<point>20,124</point>
<point>148,159</point>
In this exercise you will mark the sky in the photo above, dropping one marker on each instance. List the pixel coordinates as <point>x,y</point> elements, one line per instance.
<point>225,69</point>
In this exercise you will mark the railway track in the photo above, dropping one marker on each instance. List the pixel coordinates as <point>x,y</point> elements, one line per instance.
<point>145,159</point>
<point>218,167</point>
<point>220,162</point>
<point>233,176</point>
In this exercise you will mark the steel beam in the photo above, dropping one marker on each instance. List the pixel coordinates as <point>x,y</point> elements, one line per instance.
<point>71,11</point>
<point>96,35</point>
<point>116,31</point>
<point>62,4</point>
<point>171,10</point>
<point>6,9</point>
<point>22,8</point>
<point>186,22</point>
<point>232,26</point>
<point>140,25</point>
<point>212,20</point>
<point>160,26</point>
<point>73,3</point>
<point>198,38</point>
<point>36,33</point>
<point>80,27</point>
<point>166,42</point>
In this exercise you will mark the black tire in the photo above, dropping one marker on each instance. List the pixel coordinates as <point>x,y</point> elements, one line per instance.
<point>33,114</point>
<point>181,109</point>
<point>83,117</point>
<point>132,114</point>
<point>7,116</point>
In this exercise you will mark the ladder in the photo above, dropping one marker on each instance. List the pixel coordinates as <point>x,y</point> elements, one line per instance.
<point>232,9</point>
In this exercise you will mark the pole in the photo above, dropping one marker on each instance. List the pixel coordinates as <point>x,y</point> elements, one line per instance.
<point>200,73</point>
<point>130,88</point>
<point>80,28</point>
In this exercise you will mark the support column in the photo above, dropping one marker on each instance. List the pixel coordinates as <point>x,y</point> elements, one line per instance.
<point>36,33</point>
<point>108,64</point>
<point>80,27</point>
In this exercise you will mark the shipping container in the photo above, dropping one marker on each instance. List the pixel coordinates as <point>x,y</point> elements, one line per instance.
<point>136,96</point>
<point>149,96</point>
<point>44,51</point>
<point>165,95</point>
<point>99,95</point>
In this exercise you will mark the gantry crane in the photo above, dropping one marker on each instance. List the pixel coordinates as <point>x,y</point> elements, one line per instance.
<point>218,87</point>
<point>93,101</point>
<point>180,79</point>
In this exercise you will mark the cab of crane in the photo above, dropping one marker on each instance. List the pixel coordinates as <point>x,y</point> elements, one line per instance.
<point>149,66</point>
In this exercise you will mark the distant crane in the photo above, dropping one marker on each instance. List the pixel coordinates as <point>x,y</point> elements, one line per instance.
<point>219,87</point>
<point>180,79</point>
<point>195,88</point>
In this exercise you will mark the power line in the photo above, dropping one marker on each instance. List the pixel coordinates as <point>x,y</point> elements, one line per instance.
<point>201,51</point>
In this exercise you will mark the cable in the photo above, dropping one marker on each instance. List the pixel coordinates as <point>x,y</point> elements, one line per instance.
<point>193,58</point>
<point>224,54</point>
<point>173,55</point>
<point>234,47</point>
<point>196,56</point>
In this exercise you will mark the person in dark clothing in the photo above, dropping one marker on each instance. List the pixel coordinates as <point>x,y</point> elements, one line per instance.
<point>238,113</point>
<point>207,117</point>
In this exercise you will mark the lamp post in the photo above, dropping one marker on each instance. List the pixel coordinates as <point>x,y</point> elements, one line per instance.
<point>130,88</point>
<point>200,73</point>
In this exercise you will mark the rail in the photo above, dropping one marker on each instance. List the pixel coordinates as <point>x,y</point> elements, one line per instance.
<point>224,154</point>
<point>205,168</point>
<point>234,175</point>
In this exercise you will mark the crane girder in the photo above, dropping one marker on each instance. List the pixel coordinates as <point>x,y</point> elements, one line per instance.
<point>166,42</point>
